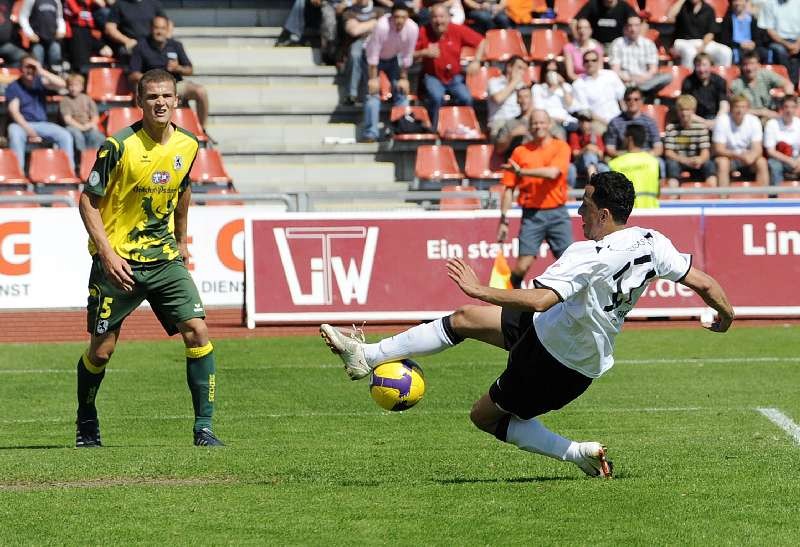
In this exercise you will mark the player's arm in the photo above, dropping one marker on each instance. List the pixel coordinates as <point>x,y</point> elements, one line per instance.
<point>116,268</point>
<point>712,294</point>
<point>181,221</point>
<point>520,299</point>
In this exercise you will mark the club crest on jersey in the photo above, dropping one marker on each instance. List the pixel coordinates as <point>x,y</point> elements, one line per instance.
<point>177,164</point>
<point>161,177</point>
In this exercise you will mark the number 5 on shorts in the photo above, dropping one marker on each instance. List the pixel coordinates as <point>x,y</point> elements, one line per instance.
<point>105,309</point>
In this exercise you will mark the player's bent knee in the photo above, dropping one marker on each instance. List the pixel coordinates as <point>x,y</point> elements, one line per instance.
<point>464,317</point>
<point>195,333</point>
<point>100,357</point>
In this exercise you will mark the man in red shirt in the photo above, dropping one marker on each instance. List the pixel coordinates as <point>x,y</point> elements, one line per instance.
<point>538,169</point>
<point>439,46</point>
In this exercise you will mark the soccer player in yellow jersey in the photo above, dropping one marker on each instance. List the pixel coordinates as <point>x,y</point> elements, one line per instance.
<point>134,207</point>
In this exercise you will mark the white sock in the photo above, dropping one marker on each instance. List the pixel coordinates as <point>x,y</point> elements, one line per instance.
<point>423,339</point>
<point>532,436</point>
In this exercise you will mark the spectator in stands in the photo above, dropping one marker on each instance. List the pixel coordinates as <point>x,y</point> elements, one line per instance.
<point>695,28</point>
<point>516,131</point>
<point>454,8</point>
<point>781,20</point>
<point>635,59</point>
<point>739,29</point>
<point>487,14</point>
<point>80,115</point>
<point>687,146</point>
<point>129,23</point>
<point>575,50</point>
<point>607,18</point>
<point>42,22</point>
<point>587,151</point>
<point>80,18</point>
<point>538,170</point>
<point>522,12</point>
<point>502,103</point>
<point>598,92</point>
<point>9,52</point>
<point>390,48</point>
<point>737,139</point>
<point>639,166</point>
<point>615,139</point>
<point>158,51</point>
<point>555,96</point>
<point>26,107</point>
<point>439,46</point>
<point>331,11</point>
<point>359,21</point>
<point>755,83</point>
<point>708,88</point>
<point>782,142</point>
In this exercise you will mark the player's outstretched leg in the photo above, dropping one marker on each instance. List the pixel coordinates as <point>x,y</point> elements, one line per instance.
<point>87,426</point>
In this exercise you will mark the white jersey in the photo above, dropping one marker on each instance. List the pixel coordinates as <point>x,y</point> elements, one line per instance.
<point>598,283</point>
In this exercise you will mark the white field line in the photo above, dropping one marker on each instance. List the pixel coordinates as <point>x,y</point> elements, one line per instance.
<point>708,360</point>
<point>783,421</point>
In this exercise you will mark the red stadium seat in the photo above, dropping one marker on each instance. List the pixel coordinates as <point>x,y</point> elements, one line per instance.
<point>450,203</point>
<point>435,162</point>
<point>481,163</point>
<point>790,184</point>
<point>88,158</point>
<point>188,120</point>
<point>655,36</point>
<point>459,123</point>
<point>419,113</point>
<point>673,89</point>
<point>108,85</point>
<point>730,73</point>
<point>658,112</point>
<point>547,44</point>
<point>502,44</point>
<point>51,166</point>
<point>780,70</point>
<point>11,176</point>
<point>696,184</point>
<point>467,54</point>
<point>746,184</point>
<point>17,204</point>
<point>478,82</point>
<point>566,10</point>
<point>656,10</point>
<point>208,168</point>
<point>121,117</point>
<point>533,75</point>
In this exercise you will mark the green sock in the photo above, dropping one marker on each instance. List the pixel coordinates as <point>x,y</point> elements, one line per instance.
<point>201,377</point>
<point>89,378</point>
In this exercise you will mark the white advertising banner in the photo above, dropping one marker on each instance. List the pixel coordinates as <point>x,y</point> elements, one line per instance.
<point>44,262</point>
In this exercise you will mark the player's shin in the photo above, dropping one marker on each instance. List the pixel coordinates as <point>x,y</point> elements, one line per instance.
<point>532,436</point>
<point>201,377</point>
<point>423,339</point>
<point>89,378</point>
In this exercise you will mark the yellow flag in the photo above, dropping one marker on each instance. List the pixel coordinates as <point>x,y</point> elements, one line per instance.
<point>501,274</point>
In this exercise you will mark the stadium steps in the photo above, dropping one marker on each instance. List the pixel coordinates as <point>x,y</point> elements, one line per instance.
<point>304,154</point>
<point>272,176</point>
<point>247,136</point>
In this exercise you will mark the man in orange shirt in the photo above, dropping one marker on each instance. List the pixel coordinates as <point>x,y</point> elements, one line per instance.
<point>538,169</point>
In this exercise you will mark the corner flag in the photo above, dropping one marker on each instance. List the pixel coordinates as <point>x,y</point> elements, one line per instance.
<point>501,273</point>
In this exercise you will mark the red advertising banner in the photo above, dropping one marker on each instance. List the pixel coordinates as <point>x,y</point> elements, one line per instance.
<point>324,267</point>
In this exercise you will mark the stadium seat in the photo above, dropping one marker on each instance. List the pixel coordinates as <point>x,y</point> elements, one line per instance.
<point>121,117</point>
<point>208,168</point>
<point>533,75</point>
<point>673,89</point>
<point>790,184</point>
<point>746,184</point>
<point>450,203</point>
<point>51,166</point>
<point>566,10</point>
<point>659,113</point>
<point>17,204</point>
<point>730,73</point>
<point>720,8</point>
<point>187,119</point>
<point>656,11</point>
<point>108,85</point>
<point>214,190</point>
<point>88,158</point>
<point>459,123</point>
<point>437,163</point>
<point>501,44</point>
<point>419,113</point>
<point>547,44</point>
<point>7,75</point>
<point>11,176</point>
<point>481,163</point>
<point>780,70</point>
<point>655,36</point>
<point>467,54</point>
<point>478,82</point>
<point>695,184</point>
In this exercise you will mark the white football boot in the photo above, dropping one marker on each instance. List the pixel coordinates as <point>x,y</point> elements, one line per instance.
<point>592,460</point>
<point>350,350</point>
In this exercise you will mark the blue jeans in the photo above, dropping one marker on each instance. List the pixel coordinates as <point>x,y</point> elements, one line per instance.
<point>296,20</point>
<point>86,139</point>
<point>580,165</point>
<point>780,56</point>
<point>485,21</point>
<point>356,67</point>
<point>434,94</point>
<point>372,106</point>
<point>51,49</point>
<point>17,139</point>
<point>776,171</point>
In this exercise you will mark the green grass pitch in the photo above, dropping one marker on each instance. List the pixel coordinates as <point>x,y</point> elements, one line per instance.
<point>313,461</point>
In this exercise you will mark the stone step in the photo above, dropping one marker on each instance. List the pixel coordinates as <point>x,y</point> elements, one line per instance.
<point>252,99</point>
<point>302,154</point>
<point>291,114</point>
<point>259,135</point>
<point>288,76</point>
<point>330,176</point>
<point>252,57</point>
<point>183,33</point>
<point>207,14</point>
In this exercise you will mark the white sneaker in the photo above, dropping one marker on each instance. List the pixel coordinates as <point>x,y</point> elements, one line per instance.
<point>592,460</point>
<point>350,350</point>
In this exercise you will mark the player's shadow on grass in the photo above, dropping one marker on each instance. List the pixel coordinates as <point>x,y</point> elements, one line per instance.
<point>464,480</point>
<point>35,447</point>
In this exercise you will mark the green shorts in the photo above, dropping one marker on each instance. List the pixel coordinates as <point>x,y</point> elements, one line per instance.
<point>166,285</point>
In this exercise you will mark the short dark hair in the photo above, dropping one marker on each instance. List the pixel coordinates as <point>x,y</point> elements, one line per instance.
<point>513,59</point>
<point>780,101</point>
<point>155,75</point>
<point>400,5</point>
<point>638,133</point>
<point>630,90</point>
<point>613,191</point>
<point>703,56</point>
<point>750,55</point>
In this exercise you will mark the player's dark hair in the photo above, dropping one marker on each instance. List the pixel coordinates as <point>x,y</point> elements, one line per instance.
<point>613,191</point>
<point>638,133</point>
<point>155,75</point>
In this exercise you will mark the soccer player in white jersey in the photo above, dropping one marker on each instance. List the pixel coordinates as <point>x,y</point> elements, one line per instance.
<point>560,334</point>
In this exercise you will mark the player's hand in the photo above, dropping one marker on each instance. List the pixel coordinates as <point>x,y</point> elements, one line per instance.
<point>118,271</point>
<point>183,249</point>
<point>464,276</point>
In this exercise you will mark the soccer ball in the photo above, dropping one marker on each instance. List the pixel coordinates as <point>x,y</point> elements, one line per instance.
<point>397,385</point>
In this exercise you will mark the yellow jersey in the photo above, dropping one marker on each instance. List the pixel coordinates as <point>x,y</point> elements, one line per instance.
<point>139,182</point>
<point>642,168</point>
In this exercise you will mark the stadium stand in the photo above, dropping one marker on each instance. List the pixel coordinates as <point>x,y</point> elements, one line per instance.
<point>208,168</point>
<point>449,203</point>
<point>108,85</point>
<point>120,117</point>
<point>501,44</point>
<point>88,157</point>
<point>547,44</point>
<point>459,123</point>
<point>11,176</point>
<point>50,167</point>
<point>481,164</point>
<point>437,163</point>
